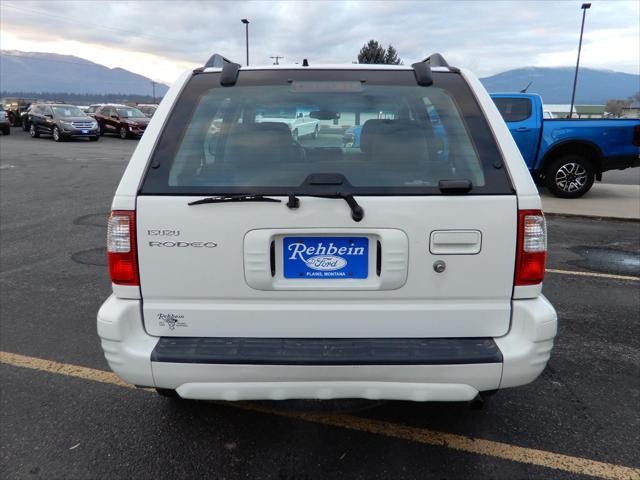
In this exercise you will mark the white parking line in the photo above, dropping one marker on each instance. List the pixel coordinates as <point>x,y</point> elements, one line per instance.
<point>594,274</point>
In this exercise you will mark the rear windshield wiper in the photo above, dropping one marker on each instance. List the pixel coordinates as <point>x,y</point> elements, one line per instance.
<point>357,212</point>
<point>235,198</point>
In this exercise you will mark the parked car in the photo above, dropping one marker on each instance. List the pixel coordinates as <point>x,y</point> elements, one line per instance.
<point>126,122</point>
<point>567,155</point>
<point>91,109</point>
<point>299,122</point>
<point>24,116</point>
<point>261,267</point>
<point>5,126</point>
<point>14,107</point>
<point>61,121</point>
<point>147,108</point>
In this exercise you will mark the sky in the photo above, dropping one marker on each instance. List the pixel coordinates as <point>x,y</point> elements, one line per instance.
<point>159,39</point>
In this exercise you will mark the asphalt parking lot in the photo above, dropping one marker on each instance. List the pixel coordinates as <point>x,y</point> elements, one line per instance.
<point>62,417</point>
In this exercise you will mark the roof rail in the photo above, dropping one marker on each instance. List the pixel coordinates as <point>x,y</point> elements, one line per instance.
<point>436,60</point>
<point>422,70</point>
<point>216,61</point>
<point>229,74</point>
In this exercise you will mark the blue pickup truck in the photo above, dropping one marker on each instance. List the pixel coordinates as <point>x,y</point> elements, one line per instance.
<point>568,155</point>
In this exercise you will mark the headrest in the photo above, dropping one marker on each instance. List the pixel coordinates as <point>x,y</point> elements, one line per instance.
<point>382,133</point>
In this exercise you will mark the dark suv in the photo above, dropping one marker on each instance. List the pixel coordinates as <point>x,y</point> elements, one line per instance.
<point>121,120</point>
<point>61,121</point>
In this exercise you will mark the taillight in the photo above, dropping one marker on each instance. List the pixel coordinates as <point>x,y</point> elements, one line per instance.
<point>636,135</point>
<point>532,248</point>
<point>121,248</point>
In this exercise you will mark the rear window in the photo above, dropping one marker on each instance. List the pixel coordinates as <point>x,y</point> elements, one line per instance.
<point>272,130</point>
<point>513,109</point>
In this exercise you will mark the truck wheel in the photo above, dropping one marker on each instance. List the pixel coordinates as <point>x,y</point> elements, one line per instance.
<point>33,132</point>
<point>570,176</point>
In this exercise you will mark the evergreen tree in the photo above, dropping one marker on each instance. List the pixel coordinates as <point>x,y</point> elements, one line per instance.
<point>391,56</point>
<point>372,52</point>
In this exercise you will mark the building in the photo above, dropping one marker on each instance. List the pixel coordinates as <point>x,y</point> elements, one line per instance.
<point>632,110</point>
<point>579,111</point>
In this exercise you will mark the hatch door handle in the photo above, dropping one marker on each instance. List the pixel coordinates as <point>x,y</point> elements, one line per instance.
<point>455,242</point>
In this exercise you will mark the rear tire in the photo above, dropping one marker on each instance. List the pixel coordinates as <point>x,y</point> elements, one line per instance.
<point>33,132</point>
<point>570,176</point>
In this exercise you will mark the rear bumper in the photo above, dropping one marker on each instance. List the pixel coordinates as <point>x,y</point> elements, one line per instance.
<point>419,370</point>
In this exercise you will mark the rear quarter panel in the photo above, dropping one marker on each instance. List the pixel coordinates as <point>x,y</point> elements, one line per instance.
<point>612,137</point>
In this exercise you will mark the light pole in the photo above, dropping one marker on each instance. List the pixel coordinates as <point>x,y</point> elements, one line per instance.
<point>585,7</point>
<point>246,24</point>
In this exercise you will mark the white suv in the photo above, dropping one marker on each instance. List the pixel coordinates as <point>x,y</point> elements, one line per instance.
<point>249,264</point>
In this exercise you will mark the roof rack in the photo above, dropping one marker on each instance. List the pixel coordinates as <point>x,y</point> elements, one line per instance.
<point>436,60</point>
<point>216,61</point>
<point>229,74</point>
<point>422,70</point>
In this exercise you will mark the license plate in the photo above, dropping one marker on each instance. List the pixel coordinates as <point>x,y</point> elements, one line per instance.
<point>326,257</point>
<point>85,131</point>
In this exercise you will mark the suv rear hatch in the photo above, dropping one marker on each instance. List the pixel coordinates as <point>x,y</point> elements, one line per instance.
<point>278,252</point>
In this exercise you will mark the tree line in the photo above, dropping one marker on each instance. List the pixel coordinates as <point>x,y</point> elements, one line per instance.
<point>374,52</point>
<point>616,106</point>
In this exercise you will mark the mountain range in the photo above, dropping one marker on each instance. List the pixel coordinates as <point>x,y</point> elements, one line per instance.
<point>48,72</point>
<point>554,84</point>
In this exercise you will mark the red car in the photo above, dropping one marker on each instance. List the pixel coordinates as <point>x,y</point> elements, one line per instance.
<point>126,122</point>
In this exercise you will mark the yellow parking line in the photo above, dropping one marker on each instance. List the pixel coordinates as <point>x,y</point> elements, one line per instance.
<point>505,451</point>
<point>593,274</point>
